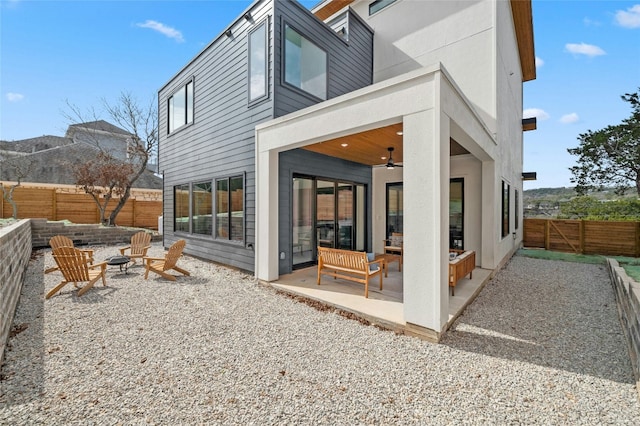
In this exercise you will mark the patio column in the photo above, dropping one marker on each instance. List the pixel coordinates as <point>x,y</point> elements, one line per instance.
<point>266,245</point>
<point>426,183</point>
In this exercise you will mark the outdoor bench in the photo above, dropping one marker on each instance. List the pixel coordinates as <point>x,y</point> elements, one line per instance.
<point>348,265</point>
<point>463,265</point>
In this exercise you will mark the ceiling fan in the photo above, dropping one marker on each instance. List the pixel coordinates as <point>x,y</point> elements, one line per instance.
<point>390,163</point>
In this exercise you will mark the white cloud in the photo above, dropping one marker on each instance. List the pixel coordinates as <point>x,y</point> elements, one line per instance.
<point>630,18</point>
<point>569,118</point>
<point>162,29</point>
<point>539,62</point>
<point>538,113</point>
<point>584,49</point>
<point>14,97</point>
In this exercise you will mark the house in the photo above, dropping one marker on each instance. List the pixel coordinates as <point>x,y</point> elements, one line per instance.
<point>289,129</point>
<point>50,159</point>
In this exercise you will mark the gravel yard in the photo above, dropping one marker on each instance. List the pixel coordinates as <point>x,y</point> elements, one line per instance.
<point>541,345</point>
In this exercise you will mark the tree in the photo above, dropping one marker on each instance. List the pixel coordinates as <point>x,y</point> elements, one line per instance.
<point>106,177</point>
<point>610,156</point>
<point>20,167</point>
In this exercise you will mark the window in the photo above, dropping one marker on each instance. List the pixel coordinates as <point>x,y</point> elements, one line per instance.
<point>456,213</point>
<point>202,206</point>
<point>379,5</point>
<point>181,208</point>
<point>258,63</point>
<point>517,209</point>
<point>230,208</point>
<point>181,107</point>
<point>305,65</point>
<point>395,210</point>
<point>506,188</point>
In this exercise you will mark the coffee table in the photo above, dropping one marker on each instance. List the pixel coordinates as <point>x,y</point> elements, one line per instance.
<point>119,261</point>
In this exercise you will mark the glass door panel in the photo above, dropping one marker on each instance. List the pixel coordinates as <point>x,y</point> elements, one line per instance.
<point>360,218</point>
<point>303,244</point>
<point>456,214</point>
<point>394,209</point>
<point>325,213</point>
<point>345,216</point>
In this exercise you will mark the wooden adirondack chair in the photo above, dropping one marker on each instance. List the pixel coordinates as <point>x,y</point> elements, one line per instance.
<point>75,268</point>
<point>160,265</point>
<point>62,241</point>
<point>140,243</point>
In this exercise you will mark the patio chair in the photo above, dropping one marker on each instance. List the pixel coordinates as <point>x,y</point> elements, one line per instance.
<point>75,268</point>
<point>160,265</point>
<point>394,245</point>
<point>140,243</point>
<point>62,241</point>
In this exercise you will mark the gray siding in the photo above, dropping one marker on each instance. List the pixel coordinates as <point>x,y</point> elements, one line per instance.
<point>310,163</point>
<point>220,141</point>
<point>350,63</point>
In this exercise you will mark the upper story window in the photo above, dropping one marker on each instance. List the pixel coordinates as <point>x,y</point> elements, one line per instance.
<point>305,64</point>
<point>181,107</point>
<point>258,51</point>
<point>378,5</point>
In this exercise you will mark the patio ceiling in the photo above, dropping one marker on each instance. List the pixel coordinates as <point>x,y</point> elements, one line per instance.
<point>370,147</point>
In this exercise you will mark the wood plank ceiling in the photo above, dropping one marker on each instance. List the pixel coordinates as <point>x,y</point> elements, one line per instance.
<point>371,147</point>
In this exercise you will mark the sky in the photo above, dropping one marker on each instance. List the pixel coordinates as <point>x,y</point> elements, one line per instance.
<point>59,53</point>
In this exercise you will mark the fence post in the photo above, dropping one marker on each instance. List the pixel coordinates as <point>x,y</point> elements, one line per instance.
<point>637,239</point>
<point>546,234</point>
<point>54,204</point>
<point>582,236</point>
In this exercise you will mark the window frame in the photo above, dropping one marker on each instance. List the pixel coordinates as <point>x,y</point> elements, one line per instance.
<point>189,113</point>
<point>516,209</point>
<point>229,229</point>
<point>284,64</point>
<point>383,5</point>
<point>176,188</point>
<point>194,213</point>
<point>264,26</point>
<point>506,213</point>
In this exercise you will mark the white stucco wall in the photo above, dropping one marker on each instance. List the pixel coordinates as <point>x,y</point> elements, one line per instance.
<point>410,34</point>
<point>509,123</point>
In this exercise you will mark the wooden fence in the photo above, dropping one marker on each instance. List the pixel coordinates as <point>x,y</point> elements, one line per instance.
<point>66,202</point>
<point>583,236</point>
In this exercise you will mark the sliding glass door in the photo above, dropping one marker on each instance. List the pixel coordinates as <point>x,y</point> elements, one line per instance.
<point>303,245</point>
<point>326,213</point>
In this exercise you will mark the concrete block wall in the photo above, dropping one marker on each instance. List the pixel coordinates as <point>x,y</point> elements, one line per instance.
<point>42,231</point>
<point>628,299</point>
<point>15,252</point>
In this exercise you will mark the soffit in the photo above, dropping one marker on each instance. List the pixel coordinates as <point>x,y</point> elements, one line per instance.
<point>523,22</point>
<point>328,8</point>
<point>371,146</point>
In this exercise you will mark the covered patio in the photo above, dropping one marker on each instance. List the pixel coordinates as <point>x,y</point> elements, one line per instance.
<point>427,109</point>
<point>383,308</point>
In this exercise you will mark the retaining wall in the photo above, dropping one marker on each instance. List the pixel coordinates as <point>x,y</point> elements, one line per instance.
<point>42,231</point>
<point>628,300</point>
<point>15,252</point>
